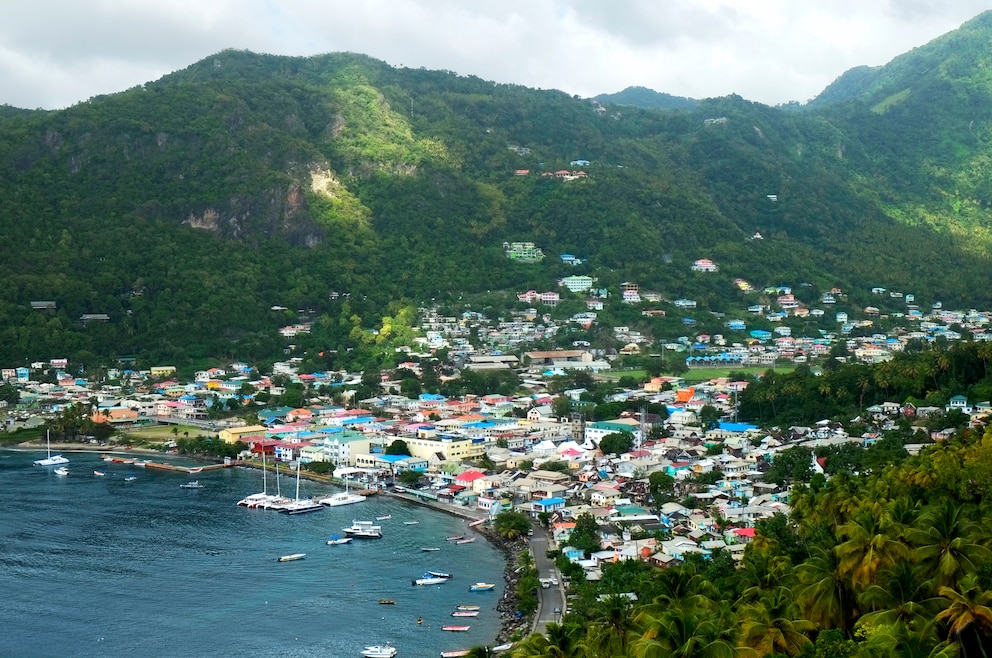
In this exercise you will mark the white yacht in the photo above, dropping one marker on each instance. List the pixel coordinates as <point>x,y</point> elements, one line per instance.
<point>51,460</point>
<point>363,530</point>
<point>342,498</point>
<point>379,651</point>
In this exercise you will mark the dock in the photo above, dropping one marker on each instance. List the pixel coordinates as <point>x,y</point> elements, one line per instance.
<point>189,470</point>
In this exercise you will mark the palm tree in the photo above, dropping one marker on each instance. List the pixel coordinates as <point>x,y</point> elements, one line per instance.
<point>823,592</point>
<point>611,628</point>
<point>772,624</point>
<point>480,651</point>
<point>868,546</point>
<point>685,632</point>
<point>945,544</point>
<point>968,616</point>
<point>559,641</point>
<point>900,597</point>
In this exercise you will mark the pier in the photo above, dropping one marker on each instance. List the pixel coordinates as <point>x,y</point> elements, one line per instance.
<point>190,470</point>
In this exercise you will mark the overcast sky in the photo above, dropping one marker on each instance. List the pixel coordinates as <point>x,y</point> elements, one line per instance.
<point>54,53</point>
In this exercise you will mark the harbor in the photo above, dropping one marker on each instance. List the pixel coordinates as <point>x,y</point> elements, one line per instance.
<point>148,565</point>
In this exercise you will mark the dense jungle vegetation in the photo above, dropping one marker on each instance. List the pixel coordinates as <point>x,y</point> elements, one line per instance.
<point>340,190</point>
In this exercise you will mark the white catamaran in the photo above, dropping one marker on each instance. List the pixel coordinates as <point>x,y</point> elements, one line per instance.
<point>50,460</point>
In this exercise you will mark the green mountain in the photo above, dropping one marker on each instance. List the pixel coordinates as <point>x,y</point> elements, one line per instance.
<point>339,190</point>
<point>647,98</point>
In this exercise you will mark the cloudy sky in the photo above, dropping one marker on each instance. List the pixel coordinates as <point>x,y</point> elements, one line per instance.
<point>54,53</point>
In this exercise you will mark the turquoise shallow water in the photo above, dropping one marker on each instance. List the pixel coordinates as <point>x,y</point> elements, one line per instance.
<point>93,566</point>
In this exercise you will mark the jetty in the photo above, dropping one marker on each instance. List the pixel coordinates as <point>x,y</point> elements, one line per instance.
<point>189,470</point>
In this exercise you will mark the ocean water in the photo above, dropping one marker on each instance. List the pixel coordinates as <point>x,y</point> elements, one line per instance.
<point>96,566</point>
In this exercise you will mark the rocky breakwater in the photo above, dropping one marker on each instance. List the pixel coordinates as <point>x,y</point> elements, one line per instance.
<point>511,623</point>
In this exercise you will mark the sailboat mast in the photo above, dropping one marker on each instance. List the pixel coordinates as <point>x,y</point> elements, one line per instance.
<point>297,480</point>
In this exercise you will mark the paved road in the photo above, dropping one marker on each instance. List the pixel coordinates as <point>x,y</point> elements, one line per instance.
<point>550,601</point>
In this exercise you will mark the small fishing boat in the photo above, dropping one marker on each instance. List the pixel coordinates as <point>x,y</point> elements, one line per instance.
<point>195,470</point>
<point>475,523</point>
<point>428,579</point>
<point>387,602</point>
<point>454,654</point>
<point>99,474</point>
<point>466,541</point>
<point>482,587</point>
<point>454,537</point>
<point>379,651</point>
<point>457,629</point>
<point>384,518</point>
<point>429,550</point>
<point>61,470</point>
<point>130,478</point>
<point>465,613</point>
<point>467,607</point>
<point>192,484</point>
<point>411,522</point>
<point>292,557</point>
<point>503,647</point>
<point>439,574</point>
<point>335,540</point>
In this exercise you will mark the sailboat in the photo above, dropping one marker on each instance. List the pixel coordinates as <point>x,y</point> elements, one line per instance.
<point>301,506</point>
<point>342,498</point>
<point>50,460</point>
<point>254,500</point>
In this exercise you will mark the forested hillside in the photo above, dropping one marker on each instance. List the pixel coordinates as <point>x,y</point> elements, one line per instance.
<point>187,208</point>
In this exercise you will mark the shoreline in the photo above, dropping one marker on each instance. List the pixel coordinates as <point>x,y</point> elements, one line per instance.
<point>510,550</point>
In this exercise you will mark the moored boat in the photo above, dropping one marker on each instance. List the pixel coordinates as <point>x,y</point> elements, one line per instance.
<point>465,613</point>
<point>61,470</point>
<point>466,541</point>
<point>363,530</point>
<point>467,607</point>
<point>50,460</point>
<point>192,484</point>
<point>455,654</point>
<point>428,579</point>
<point>461,629</point>
<point>454,537</point>
<point>384,518</point>
<point>335,540</point>
<point>439,574</point>
<point>481,587</point>
<point>411,522</point>
<point>387,602</point>
<point>429,550</point>
<point>292,557</point>
<point>475,523</point>
<point>379,651</point>
<point>130,478</point>
<point>98,473</point>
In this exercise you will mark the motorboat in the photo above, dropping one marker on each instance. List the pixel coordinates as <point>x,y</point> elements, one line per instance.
<point>454,537</point>
<point>342,498</point>
<point>481,587</point>
<point>457,653</point>
<point>384,518</point>
<point>130,478</point>
<point>387,602</point>
<point>411,522</point>
<point>439,574</point>
<point>503,647</point>
<point>429,549</point>
<point>292,557</point>
<point>61,470</point>
<point>51,460</point>
<point>192,484</point>
<point>429,580</point>
<point>99,474</point>
<point>335,540</point>
<point>457,629</point>
<point>467,607</point>
<point>466,541</point>
<point>379,651</point>
<point>363,530</point>
<point>465,613</point>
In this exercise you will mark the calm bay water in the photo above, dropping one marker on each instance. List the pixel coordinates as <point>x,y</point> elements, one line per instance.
<point>96,566</point>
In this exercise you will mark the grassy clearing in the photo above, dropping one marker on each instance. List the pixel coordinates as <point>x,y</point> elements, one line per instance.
<point>161,433</point>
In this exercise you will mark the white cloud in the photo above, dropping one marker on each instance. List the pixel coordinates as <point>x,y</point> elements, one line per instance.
<point>57,52</point>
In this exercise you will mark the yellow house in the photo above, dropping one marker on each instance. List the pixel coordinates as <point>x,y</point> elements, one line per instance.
<point>246,433</point>
<point>161,371</point>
